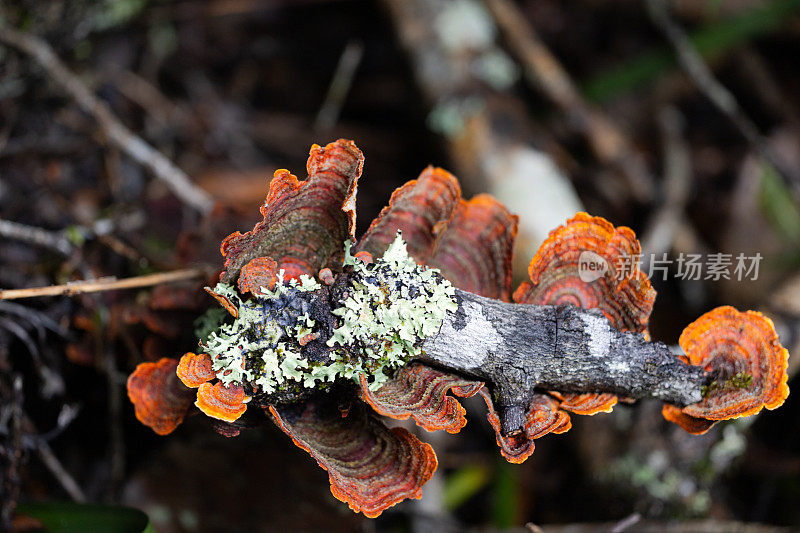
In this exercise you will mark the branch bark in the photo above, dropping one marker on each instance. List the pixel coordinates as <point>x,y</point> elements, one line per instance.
<point>520,349</point>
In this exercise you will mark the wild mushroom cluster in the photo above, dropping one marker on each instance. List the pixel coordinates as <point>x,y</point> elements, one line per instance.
<point>323,335</point>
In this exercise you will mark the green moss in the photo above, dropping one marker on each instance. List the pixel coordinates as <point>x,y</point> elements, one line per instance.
<point>740,380</point>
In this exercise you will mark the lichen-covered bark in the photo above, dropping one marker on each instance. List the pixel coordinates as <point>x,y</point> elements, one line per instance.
<point>519,348</point>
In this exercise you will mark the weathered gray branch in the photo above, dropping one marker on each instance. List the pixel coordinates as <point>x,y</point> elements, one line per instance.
<point>521,348</point>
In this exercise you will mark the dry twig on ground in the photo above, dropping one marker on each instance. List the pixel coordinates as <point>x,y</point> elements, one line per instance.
<point>40,237</point>
<point>609,143</point>
<point>692,63</point>
<point>103,284</point>
<point>137,149</point>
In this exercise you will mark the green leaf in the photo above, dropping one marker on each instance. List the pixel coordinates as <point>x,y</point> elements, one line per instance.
<point>463,484</point>
<point>710,41</point>
<point>505,504</point>
<point>778,205</point>
<point>58,517</point>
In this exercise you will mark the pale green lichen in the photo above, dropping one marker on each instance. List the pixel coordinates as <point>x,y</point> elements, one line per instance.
<point>393,303</point>
<point>387,309</point>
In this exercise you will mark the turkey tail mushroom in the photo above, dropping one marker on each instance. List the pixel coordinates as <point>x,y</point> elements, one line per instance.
<point>226,403</point>
<point>745,363</point>
<point>370,466</point>
<point>195,369</point>
<point>420,392</point>
<point>304,222</point>
<point>542,417</point>
<point>159,398</point>
<point>616,287</point>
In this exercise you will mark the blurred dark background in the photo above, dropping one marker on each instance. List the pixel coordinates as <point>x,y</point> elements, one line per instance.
<point>553,106</point>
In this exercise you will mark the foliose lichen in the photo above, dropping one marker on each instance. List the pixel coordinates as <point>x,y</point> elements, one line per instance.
<point>389,307</point>
<point>285,339</point>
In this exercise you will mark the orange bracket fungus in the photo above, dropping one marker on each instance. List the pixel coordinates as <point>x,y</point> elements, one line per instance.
<point>161,401</point>
<point>325,333</point>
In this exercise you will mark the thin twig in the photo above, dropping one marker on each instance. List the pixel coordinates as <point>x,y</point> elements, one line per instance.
<point>665,223</point>
<point>66,480</point>
<point>117,435</point>
<point>627,522</point>
<point>38,236</point>
<point>137,149</point>
<point>692,63</point>
<point>103,284</point>
<point>542,68</point>
<point>52,463</point>
<point>340,86</point>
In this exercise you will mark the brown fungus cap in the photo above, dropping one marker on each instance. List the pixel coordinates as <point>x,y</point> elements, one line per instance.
<point>159,399</point>
<point>471,241</point>
<point>195,369</point>
<point>695,426</point>
<point>420,392</point>
<point>476,249</point>
<point>221,402</point>
<point>420,209</point>
<point>259,272</point>
<point>587,403</point>
<point>370,466</point>
<point>304,223</point>
<point>622,292</point>
<point>224,302</point>
<point>745,361</point>
<point>543,417</point>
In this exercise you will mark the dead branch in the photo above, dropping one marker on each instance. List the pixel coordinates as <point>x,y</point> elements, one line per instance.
<point>692,63</point>
<point>136,148</point>
<point>521,348</point>
<point>52,463</point>
<point>103,284</point>
<point>37,236</point>
<point>55,467</point>
<point>542,68</point>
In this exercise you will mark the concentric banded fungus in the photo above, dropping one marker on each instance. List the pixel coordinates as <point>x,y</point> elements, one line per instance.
<point>305,222</point>
<point>419,209</point>
<point>259,272</point>
<point>695,426</point>
<point>588,403</point>
<point>195,369</point>
<point>420,392</point>
<point>226,403</point>
<point>224,301</point>
<point>475,251</point>
<point>621,291</point>
<point>745,362</point>
<point>543,417</point>
<point>618,288</point>
<point>370,466</point>
<point>159,398</point>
